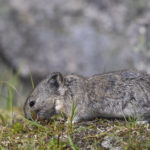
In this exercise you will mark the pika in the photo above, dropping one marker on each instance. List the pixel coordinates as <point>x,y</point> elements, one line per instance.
<point>116,94</point>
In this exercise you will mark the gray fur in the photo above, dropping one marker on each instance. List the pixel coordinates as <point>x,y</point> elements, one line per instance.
<point>114,95</point>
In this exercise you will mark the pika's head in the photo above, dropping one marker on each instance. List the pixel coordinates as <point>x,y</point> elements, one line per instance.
<point>43,102</point>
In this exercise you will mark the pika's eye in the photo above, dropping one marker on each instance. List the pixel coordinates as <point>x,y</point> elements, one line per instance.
<point>32,103</point>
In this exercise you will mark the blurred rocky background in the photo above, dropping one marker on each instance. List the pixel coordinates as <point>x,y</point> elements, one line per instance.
<point>80,36</point>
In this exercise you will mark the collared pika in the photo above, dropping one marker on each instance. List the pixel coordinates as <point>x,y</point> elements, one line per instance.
<point>113,95</point>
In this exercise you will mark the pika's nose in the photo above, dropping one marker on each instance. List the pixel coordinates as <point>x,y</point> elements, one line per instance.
<point>32,103</point>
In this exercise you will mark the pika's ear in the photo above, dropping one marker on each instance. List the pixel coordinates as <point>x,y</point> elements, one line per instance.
<point>56,80</point>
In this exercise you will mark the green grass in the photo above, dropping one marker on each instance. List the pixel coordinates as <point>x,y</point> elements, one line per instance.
<point>16,132</point>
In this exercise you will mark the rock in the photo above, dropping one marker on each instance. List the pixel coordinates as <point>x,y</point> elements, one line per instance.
<point>139,32</point>
<point>111,142</point>
<point>82,36</point>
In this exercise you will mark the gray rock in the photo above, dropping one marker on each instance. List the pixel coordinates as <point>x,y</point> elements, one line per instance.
<point>82,36</point>
<point>139,32</point>
<point>109,142</point>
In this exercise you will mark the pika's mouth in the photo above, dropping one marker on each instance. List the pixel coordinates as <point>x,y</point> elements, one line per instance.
<point>34,115</point>
<point>41,115</point>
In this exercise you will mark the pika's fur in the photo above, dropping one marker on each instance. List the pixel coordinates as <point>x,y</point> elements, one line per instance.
<point>115,95</point>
